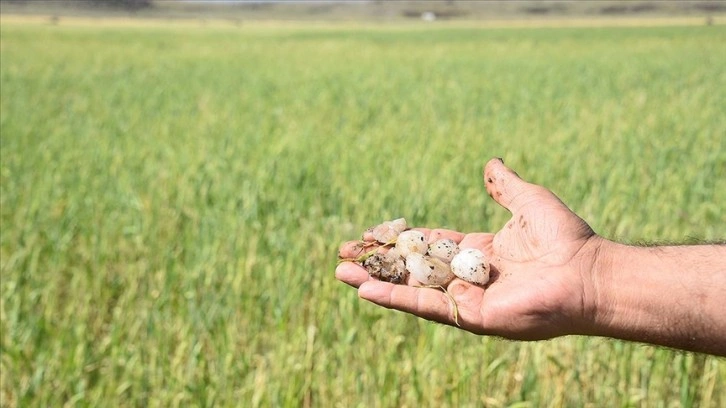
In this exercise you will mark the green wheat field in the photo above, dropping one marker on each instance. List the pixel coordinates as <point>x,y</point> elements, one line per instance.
<point>173,197</point>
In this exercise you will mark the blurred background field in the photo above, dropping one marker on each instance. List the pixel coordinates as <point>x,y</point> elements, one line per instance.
<point>240,11</point>
<point>173,193</point>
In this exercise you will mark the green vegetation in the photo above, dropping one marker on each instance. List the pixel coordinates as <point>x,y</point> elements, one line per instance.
<point>173,198</point>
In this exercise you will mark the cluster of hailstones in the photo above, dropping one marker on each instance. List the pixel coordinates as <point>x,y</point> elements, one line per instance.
<point>434,264</point>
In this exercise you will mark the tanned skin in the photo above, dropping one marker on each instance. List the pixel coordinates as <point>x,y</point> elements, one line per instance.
<point>552,276</point>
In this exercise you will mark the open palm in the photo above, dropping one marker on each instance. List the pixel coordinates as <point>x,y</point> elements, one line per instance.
<point>541,262</point>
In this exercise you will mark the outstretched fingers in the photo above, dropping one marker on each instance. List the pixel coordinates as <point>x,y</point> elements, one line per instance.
<point>352,274</point>
<point>429,303</point>
<point>460,308</point>
<point>353,249</point>
<point>440,233</point>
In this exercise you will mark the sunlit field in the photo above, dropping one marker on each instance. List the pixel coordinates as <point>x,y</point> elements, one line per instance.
<point>173,197</point>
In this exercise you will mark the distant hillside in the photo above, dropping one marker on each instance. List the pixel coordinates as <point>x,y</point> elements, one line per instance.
<point>366,10</point>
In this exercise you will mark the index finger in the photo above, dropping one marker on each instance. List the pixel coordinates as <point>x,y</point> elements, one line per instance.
<point>462,309</point>
<point>431,304</point>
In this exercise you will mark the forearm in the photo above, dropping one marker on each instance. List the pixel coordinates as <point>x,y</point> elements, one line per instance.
<point>673,296</point>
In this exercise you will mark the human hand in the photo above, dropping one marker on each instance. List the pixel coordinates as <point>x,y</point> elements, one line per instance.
<point>541,280</point>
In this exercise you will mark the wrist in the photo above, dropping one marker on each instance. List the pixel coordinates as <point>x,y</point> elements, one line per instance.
<point>670,296</point>
<point>627,291</point>
<point>629,287</point>
<point>602,292</point>
<point>596,271</point>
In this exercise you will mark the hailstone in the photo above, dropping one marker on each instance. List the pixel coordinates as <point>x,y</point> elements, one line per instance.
<point>411,241</point>
<point>387,267</point>
<point>471,265</point>
<point>427,270</point>
<point>389,230</point>
<point>444,249</point>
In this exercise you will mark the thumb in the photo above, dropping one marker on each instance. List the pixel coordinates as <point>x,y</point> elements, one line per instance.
<point>507,188</point>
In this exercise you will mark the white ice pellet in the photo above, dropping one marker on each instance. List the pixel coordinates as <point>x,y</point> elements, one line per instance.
<point>427,270</point>
<point>389,230</point>
<point>411,241</point>
<point>471,265</point>
<point>393,254</point>
<point>444,249</point>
